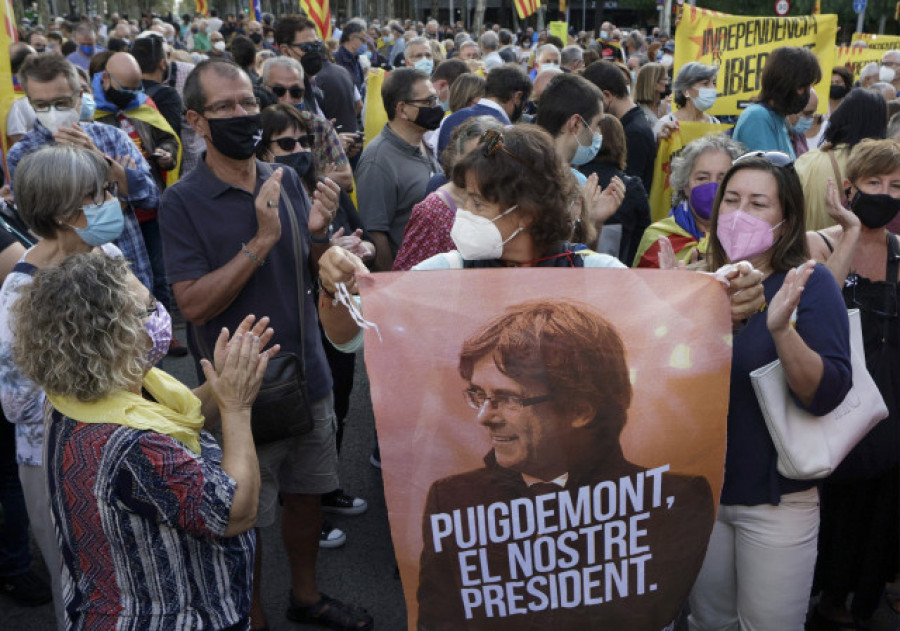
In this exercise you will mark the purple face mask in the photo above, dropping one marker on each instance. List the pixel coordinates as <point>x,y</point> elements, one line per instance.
<point>159,328</point>
<point>702,198</point>
<point>744,236</point>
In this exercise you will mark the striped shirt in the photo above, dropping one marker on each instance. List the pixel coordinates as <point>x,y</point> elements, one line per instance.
<point>140,521</point>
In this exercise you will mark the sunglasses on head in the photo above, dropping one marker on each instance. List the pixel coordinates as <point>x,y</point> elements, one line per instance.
<point>492,142</point>
<point>288,143</point>
<point>775,158</point>
<point>295,90</point>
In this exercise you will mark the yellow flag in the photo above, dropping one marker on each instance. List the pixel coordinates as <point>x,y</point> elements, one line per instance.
<point>376,116</point>
<point>660,191</point>
<point>739,46</point>
<point>8,94</point>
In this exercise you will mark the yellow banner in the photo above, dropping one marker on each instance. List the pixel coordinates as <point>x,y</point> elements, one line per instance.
<point>561,30</point>
<point>878,42</point>
<point>375,116</point>
<point>855,58</point>
<point>740,46</point>
<point>7,92</point>
<point>660,191</point>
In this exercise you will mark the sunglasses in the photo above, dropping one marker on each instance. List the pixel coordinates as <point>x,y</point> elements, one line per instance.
<point>307,47</point>
<point>288,144</point>
<point>775,158</point>
<point>295,90</point>
<point>492,141</point>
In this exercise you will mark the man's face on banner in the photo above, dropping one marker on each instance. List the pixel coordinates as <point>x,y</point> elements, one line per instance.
<point>526,432</point>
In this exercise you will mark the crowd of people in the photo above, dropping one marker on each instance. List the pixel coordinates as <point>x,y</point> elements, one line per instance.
<point>212,168</point>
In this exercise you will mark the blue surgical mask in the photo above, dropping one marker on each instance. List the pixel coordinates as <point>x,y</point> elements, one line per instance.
<point>425,65</point>
<point>362,49</point>
<point>705,99</point>
<point>803,125</point>
<point>586,153</point>
<point>550,66</point>
<point>105,222</point>
<point>87,106</point>
<point>369,55</point>
<point>87,51</point>
<point>603,34</point>
<point>388,39</point>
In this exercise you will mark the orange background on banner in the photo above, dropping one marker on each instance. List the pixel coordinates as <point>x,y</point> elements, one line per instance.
<point>426,431</point>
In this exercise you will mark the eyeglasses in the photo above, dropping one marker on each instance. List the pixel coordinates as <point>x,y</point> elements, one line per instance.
<point>287,143</point>
<point>476,398</point>
<point>150,309</point>
<point>430,101</point>
<point>119,87</point>
<point>775,158</point>
<point>110,187</point>
<point>248,104</point>
<point>307,47</point>
<point>493,142</point>
<point>63,103</point>
<point>296,91</point>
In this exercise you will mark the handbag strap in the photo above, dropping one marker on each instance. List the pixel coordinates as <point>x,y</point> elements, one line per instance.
<point>295,231</point>
<point>838,181</point>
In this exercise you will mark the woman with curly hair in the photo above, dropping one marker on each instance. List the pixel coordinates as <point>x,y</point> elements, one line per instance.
<point>153,519</point>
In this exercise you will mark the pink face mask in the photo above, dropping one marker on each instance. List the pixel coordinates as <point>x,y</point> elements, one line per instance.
<point>744,236</point>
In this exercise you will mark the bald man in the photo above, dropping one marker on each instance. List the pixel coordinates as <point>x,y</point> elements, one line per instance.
<point>122,102</point>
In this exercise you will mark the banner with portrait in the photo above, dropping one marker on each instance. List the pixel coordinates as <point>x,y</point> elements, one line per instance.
<point>739,46</point>
<point>856,58</point>
<point>877,42</point>
<point>660,191</point>
<point>553,457</point>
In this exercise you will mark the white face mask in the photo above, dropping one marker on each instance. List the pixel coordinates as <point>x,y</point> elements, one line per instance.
<point>886,74</point>
<point>53,119</point>
<point>219,46</point>
<point>477,238</point>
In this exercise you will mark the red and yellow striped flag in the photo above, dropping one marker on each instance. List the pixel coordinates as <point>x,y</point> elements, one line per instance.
<point>526,7</point>
<point>817,7</point>
<point>319,11</point>
<point>562,9</point>
<point>201,7</point>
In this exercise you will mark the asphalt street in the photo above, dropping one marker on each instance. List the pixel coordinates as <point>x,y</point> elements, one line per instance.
<point>362,572</point>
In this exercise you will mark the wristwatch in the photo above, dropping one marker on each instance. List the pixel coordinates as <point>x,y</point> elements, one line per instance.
<point>325,239</point>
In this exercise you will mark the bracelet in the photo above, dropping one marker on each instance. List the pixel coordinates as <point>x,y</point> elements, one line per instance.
<point>256,260</point>
<point>325,239</point>
<point>326,292</point>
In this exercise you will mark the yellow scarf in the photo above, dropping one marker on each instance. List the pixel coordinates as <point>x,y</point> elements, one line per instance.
<point>177,414</point>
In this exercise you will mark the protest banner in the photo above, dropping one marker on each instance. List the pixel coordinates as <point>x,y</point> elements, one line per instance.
<point>374,116</point>
<point>610,384</point>
<point>739,46</point>
<point>8,89</point>
<point>855,58</point>
<point>660,191</point>
<point>560,30</point>
<point>877,42</point>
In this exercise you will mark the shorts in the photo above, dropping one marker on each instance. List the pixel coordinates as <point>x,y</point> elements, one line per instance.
<point>306,465</point>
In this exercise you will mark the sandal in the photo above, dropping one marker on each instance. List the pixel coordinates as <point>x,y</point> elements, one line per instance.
<point>330,613</point>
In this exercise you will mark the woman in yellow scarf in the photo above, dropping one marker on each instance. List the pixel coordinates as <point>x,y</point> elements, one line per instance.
<point>153,518</point>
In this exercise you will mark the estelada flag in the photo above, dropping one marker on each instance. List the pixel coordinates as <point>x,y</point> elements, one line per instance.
<point>526,7</point>
<point>553,461</point>
<point>201,7</point>
<point>660,193</point>
<point>319,11</point>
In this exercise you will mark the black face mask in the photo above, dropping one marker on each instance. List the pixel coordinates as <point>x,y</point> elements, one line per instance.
<point>796,103</point>
<point>301,162</point>
<point>430,117</point>
<point>256,38</point>
<point>837,91</point>
<point>312,63</point>
<point>667,91</point>
<point>517,112</point>
<point>236,137</point>
<point>874,211</point>
<point>118,98</point>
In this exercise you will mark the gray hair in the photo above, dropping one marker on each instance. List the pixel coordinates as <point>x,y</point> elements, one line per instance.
<point>570,54</point>
<point>890,53</point>
<point>51,183</point>
<point>415,40</point>
<point>281,62</point>
<point>690,73</point>
<point>193,95</point>
<point>683,164</point>
<point>541,49</point>
<point>870,69</point>
<point>468,44</point>
<point>46,68</point>
<point>471,128</point>
<point>893,128</point>
<point>78,328</point>
<point>490,41</point>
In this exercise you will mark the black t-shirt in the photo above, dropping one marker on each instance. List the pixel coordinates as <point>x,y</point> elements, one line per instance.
<point>641,146</point>
<point>337,87</point>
